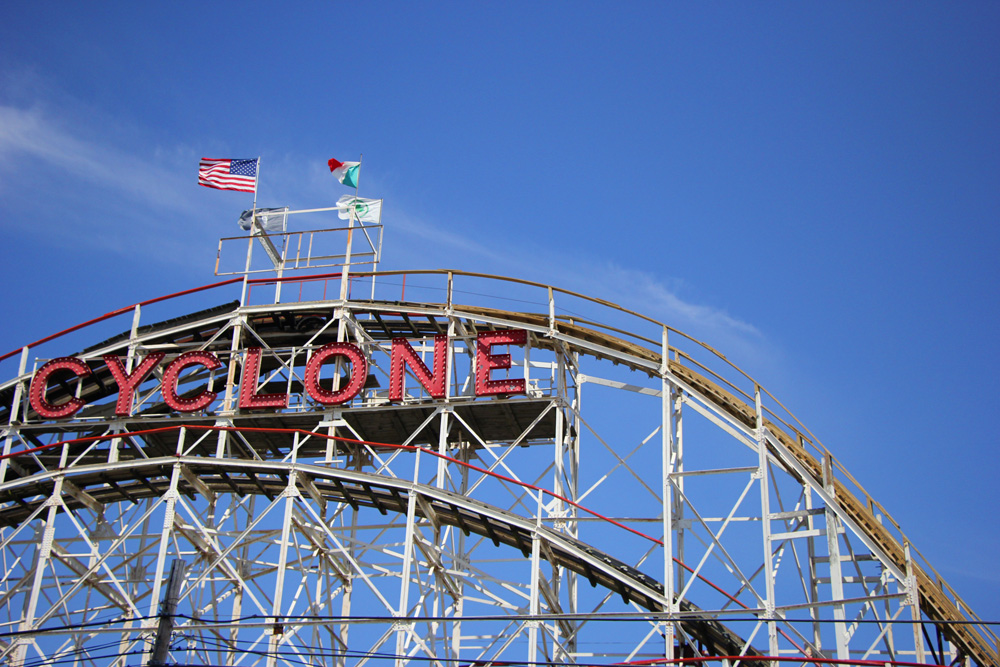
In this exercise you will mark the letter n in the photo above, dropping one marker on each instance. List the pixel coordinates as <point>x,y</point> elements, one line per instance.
<point>403,354</point>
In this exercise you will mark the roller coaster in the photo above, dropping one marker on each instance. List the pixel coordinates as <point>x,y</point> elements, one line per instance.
<point>433,467</point>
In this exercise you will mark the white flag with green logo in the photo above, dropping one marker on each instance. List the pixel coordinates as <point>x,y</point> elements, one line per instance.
<point>365,210</point>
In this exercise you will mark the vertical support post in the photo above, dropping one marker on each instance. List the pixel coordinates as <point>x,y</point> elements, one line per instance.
<point>578,428</point>
<point>574,494</point>
<point>284,260</point>
<point>340,313</point>
<point>168,526</point>
<point>233,657</point>
<point>165,535</point>
<point>336,425</point>
<point>527,366</point>
<point>461,560</point>
<point>41,564</point>
<point>168,609</point>
<point>378,253</point>
<point>559,511</point>
<point>560,448</point>
<point>15,407</point>
<point>221,440</point>
<point>450,292</point>
<point>403,627</point>
<point>277,629</point>
<point>765,520</point>
<point>890,637</point>
<point>552,313</point>
<point>347,595</point>
<point>836,567</point>
<point>534,603</point>
<point>560,472</point>
<point>133,339</point>
<point>246,271</point>
<point>133,345</point>
<point>227,403</point>
<point>666,492</point>
<point>345,274</point>
<point>5,462</point>
<point>677,400</point>
<point>913,596</point>
<point>442,467</point>
<point>813,574</point>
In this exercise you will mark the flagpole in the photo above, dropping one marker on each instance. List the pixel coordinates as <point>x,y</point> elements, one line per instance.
<point>253,224</point>
<point>357,187</point>
<point>344,275</point>
<point>378,251</point>
<point>256,179</point>
<point>357,181</point>
<point>253,213</point>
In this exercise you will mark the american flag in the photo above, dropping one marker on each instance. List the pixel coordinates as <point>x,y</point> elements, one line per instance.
<point>228,174</point>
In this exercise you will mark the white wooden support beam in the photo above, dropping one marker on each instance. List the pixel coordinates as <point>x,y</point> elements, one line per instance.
<point>86,573</point>
<point>19,646</point>
<point>835,561</point>
<point>165,539</point>
<point>227,401</point>
<point>197,484</point>
<point>290,493</point>
<point>82,497</point>
<point>534,608</point>
<point>14,412</point>
<point>442,467</point>
<point>192,534</point>
<point>402,627</point>
<point>305,481</point>
<point>315,537</point>
<point>615,384</point>
<point>816,532</point>
<point>667,498</point>
<point>913,598</point>
<point>433,556</point>
<point>429,513</point>
<point>552,313</point>
<point>677,425</point>
<point>765,513</point>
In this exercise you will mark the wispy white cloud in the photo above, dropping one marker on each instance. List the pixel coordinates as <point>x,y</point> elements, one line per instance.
<point>70,182</point>
<point>32,134</point>
<point>439,244</point>
<point>658,297</point>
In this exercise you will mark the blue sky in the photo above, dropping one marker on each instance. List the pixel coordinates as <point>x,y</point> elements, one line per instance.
<point>812,188</point>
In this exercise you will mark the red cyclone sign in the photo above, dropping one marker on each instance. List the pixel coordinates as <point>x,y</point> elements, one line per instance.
<point>402,356</point>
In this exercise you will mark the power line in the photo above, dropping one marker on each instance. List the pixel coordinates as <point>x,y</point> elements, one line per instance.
<point>260,620</point>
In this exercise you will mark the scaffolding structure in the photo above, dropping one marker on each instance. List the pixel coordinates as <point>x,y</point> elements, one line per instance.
<point>620,494</point>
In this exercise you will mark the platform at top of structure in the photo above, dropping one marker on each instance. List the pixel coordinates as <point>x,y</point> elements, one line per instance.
<point>342,240</point>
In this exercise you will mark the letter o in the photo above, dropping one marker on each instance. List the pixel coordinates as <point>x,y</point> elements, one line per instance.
<point>168,388</point>
<point>359,371</point>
